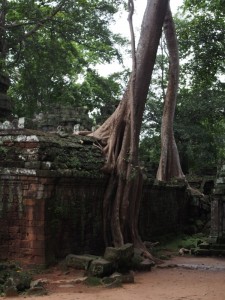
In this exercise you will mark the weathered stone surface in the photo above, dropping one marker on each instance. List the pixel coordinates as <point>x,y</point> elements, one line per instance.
<point>217,231</point>
<point>112,282</point>
<point>37,206</point>
<point>54,204</point>
<point>39,282</point>
<point>122,256</point>
<point>67,116</point>
<point>101,267</point>
<point>80,262</point>
<point>136,260</point>
<point>124,278</point>
<point>145,265</point>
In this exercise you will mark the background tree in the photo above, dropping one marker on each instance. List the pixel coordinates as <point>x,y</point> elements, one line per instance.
<point>52,47</point>
<point>201,36</point>
<point>199,120</point>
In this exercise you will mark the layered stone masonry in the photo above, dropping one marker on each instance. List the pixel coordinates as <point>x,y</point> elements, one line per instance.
<point>51,196</point>
<point>217,233</point>
<point>32,167</point>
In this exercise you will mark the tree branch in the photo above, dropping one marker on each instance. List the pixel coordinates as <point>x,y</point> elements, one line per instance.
<point>42,22</point>
<point>16,25</point>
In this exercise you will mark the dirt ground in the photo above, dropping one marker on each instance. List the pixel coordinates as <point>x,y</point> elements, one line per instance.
<point>182,278</point>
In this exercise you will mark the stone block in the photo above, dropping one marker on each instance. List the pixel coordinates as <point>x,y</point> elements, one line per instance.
<point>145,265</point>
<point>101,268</point>
<point>25,123</point>
<point>124,278</point>
<point>120,255</point>
<point>80,262</point>
<point>111,282</point>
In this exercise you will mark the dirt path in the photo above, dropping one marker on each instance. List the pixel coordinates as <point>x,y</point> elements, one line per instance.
<point>195,279</point>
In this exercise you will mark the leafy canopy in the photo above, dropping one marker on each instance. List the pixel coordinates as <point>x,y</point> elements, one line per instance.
<point>54,46</point>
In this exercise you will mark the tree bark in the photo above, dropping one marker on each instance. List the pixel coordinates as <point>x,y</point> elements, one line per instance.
<point>169,165</point>
<point>120,143</point>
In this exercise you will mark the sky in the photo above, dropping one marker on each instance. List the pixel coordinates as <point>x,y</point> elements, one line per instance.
<point>121,26</point>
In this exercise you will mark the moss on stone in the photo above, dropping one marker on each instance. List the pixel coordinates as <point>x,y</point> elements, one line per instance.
<point>69,156</point>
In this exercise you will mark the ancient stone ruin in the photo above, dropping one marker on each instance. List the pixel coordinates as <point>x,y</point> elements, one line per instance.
<point>52,190</point>
<point>51,197</point>
<point>216,241</point>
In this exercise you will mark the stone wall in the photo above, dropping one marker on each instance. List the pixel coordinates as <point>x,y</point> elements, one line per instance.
<point>217,232</point>
<point>22,217</point>
<point>45,218</point>
<point>164,210</point>
<point>51,195</point>
<point>39,184</point>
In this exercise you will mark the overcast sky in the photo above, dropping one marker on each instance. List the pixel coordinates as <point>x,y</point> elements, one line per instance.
<point>121,26</point>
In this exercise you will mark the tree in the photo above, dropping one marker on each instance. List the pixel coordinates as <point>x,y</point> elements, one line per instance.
<point>201,103</point>
<point>169,165</point>
<point>49,45</point>
<point>120,137</point>
<point>202,40</point>
<point>199,120</point>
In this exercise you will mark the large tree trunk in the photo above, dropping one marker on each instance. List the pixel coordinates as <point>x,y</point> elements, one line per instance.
<point>169,166</point>
<point>120,143</point>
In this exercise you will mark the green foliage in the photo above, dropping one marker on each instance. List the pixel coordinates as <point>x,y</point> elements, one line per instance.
<point>170,244</point>
<point>200,139</point>
<point>50,57</point>
<point>202,40</point>
<point>199,119</point>
<point>21,278</point>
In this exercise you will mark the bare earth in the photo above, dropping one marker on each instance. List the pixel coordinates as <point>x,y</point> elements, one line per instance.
<point>192,279</point>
